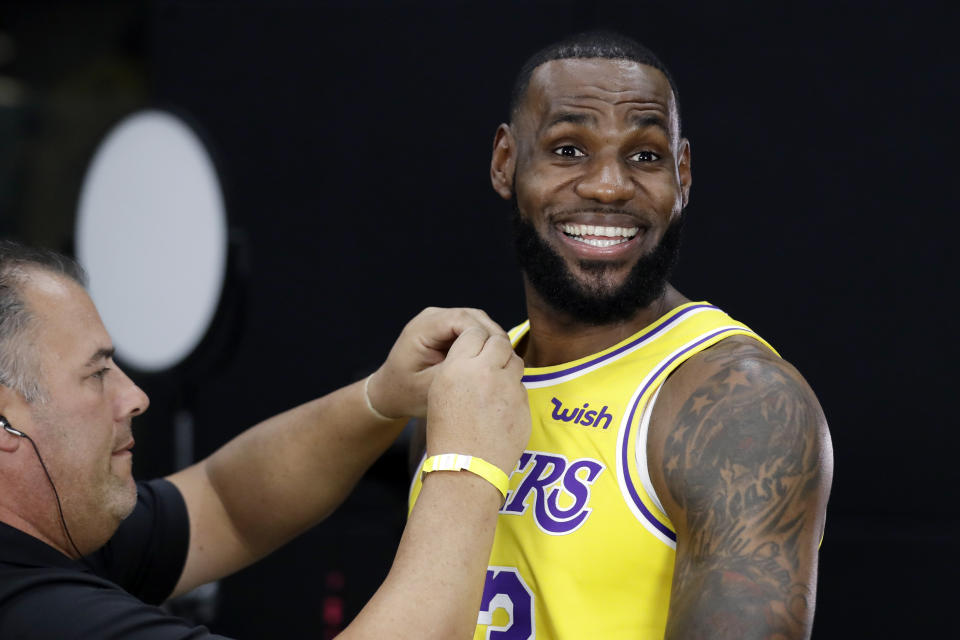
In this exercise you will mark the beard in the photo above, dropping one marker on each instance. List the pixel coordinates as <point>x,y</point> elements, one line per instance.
<point>552,279</point>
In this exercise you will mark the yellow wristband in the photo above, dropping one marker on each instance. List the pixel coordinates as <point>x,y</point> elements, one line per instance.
<point>459,462</point>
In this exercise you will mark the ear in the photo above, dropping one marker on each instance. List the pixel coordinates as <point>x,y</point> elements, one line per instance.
<point>9,442</point>
<point>683,169</point>
<point>8,405</point>
<point>503,162</point>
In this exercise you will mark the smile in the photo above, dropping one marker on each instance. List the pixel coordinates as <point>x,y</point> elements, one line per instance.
<point>598,236</point>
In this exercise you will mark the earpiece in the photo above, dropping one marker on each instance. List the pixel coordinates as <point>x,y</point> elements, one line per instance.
<point>9,428</point>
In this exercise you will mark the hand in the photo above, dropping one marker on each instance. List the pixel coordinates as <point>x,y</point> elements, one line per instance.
<point>477,404</point>
<point>399,387</point>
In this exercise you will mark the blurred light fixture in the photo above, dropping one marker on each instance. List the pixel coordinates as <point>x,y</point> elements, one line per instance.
<point>152,233</point>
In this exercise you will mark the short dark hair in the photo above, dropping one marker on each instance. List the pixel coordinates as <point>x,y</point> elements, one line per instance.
<point>18,366</point>
<point>590,44</point>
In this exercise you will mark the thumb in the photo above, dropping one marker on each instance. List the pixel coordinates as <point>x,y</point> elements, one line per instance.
<point>468,344</point>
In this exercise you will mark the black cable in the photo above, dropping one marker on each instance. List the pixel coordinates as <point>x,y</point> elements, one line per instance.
<point>63,521</point>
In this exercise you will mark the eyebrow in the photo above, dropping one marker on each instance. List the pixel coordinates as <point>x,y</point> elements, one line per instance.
<point>647,120</point>
<point>642,121</point>
<point>568,117</point>
<point>104,353</point>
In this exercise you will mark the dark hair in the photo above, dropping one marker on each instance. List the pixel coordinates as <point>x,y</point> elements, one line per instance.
<point>18,366</point>
<point>590,44</point>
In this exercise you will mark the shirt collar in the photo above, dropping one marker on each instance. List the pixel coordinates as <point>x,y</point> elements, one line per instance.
<point>22,549</point>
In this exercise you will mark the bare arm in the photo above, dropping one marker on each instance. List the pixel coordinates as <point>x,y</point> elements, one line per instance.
<point>743,464</point>
<point>433,591</point>
<point>275,480</point>
<point>434,587</point>
<point>287,473</point>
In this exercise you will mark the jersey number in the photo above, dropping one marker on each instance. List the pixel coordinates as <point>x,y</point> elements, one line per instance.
<point>505,589</point>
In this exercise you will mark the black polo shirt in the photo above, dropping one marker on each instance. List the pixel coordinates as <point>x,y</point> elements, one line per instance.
<point>46,595</point>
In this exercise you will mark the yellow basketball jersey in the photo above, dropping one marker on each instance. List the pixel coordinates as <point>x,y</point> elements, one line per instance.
<point>583,548</point>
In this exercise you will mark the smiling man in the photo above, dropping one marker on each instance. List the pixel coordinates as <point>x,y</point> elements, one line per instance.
<point>677,476</point>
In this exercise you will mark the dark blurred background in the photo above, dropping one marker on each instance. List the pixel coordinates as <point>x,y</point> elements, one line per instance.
<point>353,140</point>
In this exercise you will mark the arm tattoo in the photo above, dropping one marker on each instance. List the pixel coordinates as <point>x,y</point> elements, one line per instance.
<point>742,461</point>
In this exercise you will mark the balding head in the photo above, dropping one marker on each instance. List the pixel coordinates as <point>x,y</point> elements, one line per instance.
<point>19,369</point>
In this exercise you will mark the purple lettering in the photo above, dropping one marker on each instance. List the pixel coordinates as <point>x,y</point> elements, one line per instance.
<point>542,482</point>
<point>603,416</point>
<point>581,415</point>
<point>565,416</point>
<point>575,515</point>
<point>547,469</point>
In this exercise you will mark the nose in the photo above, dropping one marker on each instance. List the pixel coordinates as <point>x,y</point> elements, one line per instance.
<point>132,401</point>
<point>606,181</point>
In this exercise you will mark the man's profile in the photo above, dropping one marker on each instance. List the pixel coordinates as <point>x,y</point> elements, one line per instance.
<point>677,475</point>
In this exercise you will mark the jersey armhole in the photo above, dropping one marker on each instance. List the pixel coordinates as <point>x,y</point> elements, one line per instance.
<point>641,453</point>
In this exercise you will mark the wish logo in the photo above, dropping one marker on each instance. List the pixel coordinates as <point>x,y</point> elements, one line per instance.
<point>557,489</point>
<point>581,415</point>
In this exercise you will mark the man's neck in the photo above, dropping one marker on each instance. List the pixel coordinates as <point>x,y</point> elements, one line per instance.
<point>555,337</point>
<point>13,519</point>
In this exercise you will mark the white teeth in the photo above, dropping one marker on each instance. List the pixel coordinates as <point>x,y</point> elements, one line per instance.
<point>600,243</point>
<point>594,230</point>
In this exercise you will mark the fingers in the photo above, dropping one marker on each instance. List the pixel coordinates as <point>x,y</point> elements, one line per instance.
<point>440,327</point>
<point>401,385</point>
<point>515,364</point>
<point>497,351</point>
<point>469,344</point>
<point>493,350</point>
<point>476,403</point>
<point>480,317</point>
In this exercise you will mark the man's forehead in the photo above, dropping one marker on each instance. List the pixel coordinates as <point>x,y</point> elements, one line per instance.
<point>43,289</point>
<point>63,310</point>
<point>619,81</point>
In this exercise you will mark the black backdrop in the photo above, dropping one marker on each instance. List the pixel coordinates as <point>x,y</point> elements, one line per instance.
<point>353,140</point>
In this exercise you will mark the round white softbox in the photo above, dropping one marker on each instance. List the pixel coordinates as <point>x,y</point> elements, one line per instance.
<point>152,235</point>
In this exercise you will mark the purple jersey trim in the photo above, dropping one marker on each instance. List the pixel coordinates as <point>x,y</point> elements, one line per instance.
<point>541,377</point>
<point>626,436</point>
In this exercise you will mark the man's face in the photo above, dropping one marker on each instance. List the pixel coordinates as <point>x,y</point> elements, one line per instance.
<point>82,426</point>
<point>599,176</point>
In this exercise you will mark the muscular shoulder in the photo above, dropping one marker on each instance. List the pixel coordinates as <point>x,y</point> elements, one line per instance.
<point>734,413</point>
<point>740,456</point>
